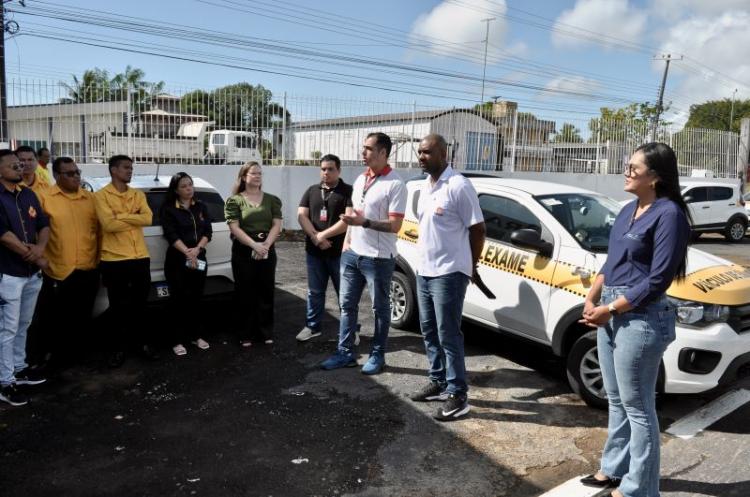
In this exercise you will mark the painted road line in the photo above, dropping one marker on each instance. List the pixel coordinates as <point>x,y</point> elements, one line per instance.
<point>699,420</point>
<point>572,488</point>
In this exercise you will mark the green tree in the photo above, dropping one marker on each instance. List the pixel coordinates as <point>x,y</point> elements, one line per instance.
<point>568,134</point>
<point>96,85</point>
<point>630,124</point>
<point>715,114</point>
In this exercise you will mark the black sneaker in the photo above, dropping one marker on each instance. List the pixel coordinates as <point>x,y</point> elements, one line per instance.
<point>431,391</point>
<point>12,396</point>
<point>29,377</point>
<point>453,408</point>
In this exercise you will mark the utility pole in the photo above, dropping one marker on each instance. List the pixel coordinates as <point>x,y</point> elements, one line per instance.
<point>486,43</point>
<point>660,101</point>
<point>731,112</point>
<point>10,27</point>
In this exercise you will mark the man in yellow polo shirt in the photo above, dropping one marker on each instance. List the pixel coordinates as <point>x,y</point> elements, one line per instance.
<point>125,263</point>
<point>43,156</point>
<point>71,280</point>
<point>27,158</point>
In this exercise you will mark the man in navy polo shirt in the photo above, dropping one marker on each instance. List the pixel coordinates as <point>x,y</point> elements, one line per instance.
<point>24,231</point>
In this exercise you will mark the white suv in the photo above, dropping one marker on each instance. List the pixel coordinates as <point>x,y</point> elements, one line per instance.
<point>219,279</point>
<point>716,208</point>
<point>545,244</point>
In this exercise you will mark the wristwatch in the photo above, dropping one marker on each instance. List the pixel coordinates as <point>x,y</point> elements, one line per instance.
<point>366,223</point>
<point>612,309</point>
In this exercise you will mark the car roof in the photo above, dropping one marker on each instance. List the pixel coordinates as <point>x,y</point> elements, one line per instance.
<point>693,183</point>
<point>528,186</point>
<point>145,182</point>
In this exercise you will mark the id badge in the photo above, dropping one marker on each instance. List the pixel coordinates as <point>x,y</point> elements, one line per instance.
<point>323,215</point>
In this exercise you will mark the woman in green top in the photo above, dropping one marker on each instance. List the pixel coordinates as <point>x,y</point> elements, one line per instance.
<point>254,219</point>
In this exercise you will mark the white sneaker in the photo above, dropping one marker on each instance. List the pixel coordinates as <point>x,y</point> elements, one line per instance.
<point>306,334</point>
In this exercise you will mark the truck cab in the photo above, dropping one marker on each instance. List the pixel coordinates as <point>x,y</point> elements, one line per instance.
<point>233,147</point>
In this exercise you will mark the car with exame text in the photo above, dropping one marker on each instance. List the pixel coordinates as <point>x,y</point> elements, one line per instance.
<point>219,279</point>
<point>545,244</point>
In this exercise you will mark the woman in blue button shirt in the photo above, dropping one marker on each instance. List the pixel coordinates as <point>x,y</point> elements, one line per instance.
<point>628,303</point>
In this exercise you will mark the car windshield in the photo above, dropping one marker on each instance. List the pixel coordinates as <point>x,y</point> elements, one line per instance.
<point>589,218</point>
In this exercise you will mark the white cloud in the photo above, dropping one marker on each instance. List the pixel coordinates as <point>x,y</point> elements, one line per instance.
<point>615,18</point>
<point>452,29</point>
<point>577,84</point>
<point>676,9</point>
<point>719,45</point>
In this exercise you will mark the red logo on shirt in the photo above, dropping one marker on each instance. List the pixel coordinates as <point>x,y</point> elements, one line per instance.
<point>32,212</point>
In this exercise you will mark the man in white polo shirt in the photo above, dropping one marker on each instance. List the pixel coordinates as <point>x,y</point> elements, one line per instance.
<point>451,237</point>
<point>368,256</point>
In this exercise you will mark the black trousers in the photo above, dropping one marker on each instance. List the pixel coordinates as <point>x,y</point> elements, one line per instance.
<point>63,323</point>
<point>185,292</point>
<point>128,283</point>
<point>254,286</point>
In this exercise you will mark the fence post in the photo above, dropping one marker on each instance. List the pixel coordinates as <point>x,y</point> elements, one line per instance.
<point>283,133</point>
<point>515,134</point>
<point>598,151</point>
<point>130,123</point>
<point>411,138</point>
<point>743,152</point>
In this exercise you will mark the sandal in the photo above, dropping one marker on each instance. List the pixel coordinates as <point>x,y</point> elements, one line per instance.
<point>201,344</point>
<point>269,342</point>
<point>179,349</point>
<point>246,344</point>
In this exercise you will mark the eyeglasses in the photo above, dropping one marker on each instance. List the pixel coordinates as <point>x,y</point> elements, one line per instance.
<point>71,174</point>
<point>631,171</point>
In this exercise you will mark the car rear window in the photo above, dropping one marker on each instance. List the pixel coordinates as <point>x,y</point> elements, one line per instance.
<point>721,193</point>
<point>213,201</point>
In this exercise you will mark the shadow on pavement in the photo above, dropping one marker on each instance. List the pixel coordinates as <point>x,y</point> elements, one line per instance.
<point>228,422</point>
<point>737,489</point>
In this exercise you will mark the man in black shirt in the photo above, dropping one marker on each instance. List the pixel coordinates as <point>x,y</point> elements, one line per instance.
<point>318,214</point>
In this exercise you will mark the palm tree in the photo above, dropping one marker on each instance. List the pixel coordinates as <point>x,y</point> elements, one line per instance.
<point>94,86</point>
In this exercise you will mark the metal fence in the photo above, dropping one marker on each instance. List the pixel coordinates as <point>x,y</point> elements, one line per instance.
<point>92,122</point>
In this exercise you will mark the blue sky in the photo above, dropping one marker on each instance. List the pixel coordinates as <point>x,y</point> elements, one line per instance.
<point>573,56</point>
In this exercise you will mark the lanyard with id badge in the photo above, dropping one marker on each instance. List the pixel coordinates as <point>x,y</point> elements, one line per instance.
<point>323,218</point>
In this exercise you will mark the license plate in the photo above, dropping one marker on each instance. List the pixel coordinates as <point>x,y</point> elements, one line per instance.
<point>162,291</point>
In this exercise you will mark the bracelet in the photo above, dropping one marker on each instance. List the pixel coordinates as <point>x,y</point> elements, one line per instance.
<point>366,223</point>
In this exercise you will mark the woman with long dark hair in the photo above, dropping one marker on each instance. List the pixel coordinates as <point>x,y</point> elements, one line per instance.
<point>628,303</point>
<point>254,218</point>
<point>187,228</point>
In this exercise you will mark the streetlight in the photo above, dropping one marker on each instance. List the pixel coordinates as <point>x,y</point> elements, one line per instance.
<point>486,42</point>
<point>731,112</point>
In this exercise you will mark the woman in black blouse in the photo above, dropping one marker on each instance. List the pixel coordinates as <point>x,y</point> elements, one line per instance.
<point>187,228</point>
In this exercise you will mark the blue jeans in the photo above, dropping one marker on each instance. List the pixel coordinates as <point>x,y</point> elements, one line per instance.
<point>441,302</point>
<point>319,270</point>
<point>17,302</point>
<point>630,349</point>
<point>356,272</point>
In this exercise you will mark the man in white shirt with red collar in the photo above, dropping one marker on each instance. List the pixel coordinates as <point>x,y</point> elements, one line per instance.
<point>451,237</point>
<point>369,253</point>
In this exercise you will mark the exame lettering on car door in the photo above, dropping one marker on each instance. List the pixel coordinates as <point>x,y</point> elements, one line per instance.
<point>517,276</point>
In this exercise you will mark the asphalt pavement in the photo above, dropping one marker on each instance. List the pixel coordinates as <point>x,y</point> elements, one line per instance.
<point>268,422</point>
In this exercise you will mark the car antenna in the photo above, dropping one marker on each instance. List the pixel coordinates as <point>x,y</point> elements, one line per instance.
<point>158,165</point>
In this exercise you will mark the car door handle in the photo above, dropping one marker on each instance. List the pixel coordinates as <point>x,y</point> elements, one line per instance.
<point>411,234</point>
<point>706,207</point>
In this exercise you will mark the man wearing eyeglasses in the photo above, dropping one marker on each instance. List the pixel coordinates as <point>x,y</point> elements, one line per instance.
<point>24,231</point>
<point>318,214</point>
<point>71,280</point>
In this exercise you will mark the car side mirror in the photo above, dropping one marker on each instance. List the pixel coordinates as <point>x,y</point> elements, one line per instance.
<point>531,239</point>
<point>688,199</point>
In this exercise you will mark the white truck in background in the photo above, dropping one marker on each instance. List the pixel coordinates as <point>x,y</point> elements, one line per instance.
<point>187,146</point>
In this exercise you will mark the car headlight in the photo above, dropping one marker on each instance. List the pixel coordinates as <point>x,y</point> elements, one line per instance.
<point>697,313</point>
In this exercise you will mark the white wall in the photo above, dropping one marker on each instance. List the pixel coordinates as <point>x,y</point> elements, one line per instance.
<point>290,182</point>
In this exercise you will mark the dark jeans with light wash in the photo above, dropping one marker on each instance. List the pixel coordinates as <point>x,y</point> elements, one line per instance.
<point>441,303</point>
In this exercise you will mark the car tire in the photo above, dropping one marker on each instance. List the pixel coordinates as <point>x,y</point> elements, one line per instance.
<point>584,374</point>
<point>403,301</point>
<point>735,230</point>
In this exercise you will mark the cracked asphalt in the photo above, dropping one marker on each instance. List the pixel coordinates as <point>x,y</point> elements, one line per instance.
<point>268,422</point>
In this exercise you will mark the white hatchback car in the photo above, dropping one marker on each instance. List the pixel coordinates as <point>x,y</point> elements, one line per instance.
<point>716,208</point>
<point>219,279</point>
<point>545,244</point>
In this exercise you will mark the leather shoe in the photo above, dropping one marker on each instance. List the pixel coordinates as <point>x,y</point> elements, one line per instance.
<point>591,481</point>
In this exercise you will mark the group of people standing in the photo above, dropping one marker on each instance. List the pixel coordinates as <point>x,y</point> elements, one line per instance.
<point>56,240</point>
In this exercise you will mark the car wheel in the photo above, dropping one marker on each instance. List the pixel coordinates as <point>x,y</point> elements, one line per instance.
<point>735,230</point>
<point>584,373</point>
<point>403,301</point>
